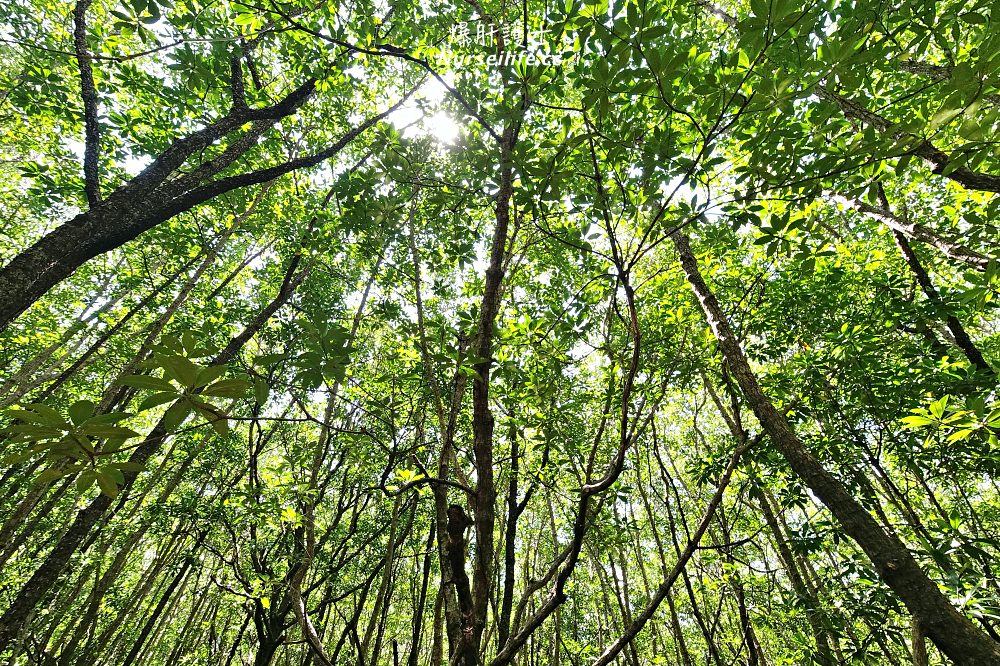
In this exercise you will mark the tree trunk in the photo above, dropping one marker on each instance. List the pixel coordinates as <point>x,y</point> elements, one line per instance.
<point>55,564</point>
<point>953,633</point>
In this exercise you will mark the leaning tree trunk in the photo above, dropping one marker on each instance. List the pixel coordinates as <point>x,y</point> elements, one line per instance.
<point>954,634</point>
<point>46,575</point>
<point>151,198</point>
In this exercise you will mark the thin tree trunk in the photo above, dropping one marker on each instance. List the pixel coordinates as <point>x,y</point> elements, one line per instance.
<point>46,575</point>
<point>812,607</point>
<point>418,611</point>
<point>917,645</point>
<point>958,332</point>
<point>510,542</point>
<point>147,627</point>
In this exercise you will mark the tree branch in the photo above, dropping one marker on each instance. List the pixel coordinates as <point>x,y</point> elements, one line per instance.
<point>940,161</point>
<point>919,232</point>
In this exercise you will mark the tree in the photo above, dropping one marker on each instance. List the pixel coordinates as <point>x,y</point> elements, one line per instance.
<point>482,333</point>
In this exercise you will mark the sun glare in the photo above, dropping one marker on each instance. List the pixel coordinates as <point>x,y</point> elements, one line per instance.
<point>415,119</point>
<point>442,127</point>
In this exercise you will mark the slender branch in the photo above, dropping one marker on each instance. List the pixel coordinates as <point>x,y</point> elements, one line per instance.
<point>612,652</point>
<point>962,338</point>
<point>938,73</point>
<point>397,52</point>
<point>218,187</point>
<point>919,232</point>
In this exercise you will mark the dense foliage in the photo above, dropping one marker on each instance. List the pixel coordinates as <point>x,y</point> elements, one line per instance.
<point>563,332</point>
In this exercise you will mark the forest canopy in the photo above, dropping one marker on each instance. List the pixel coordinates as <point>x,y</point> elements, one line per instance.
<point>476,332</point>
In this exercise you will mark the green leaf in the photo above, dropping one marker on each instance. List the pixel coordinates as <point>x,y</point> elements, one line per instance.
<point>208,375</point>
<point>219,425</point>
<point>261,390</point>
<point>760,8</point>
<point>50,475</point>
<point>903,163</point>
<point>114,472</point>
<point>188,341</point>
<point>101,430</point>
<point>943,117</point>
<point>959,435</point>
<point>157,399</point>
<point>36,431</point>
<point>267,360</point>
<point>147,382</point>
<point>110,417</point>
<point>25,415</point>
<point>85,480</point>
<point>80,411</point>
<point>938,406</point>
<point>176,414</point>
<point>227,388</point>
<point>47,415</point>
<point>108,485</point>
<point>181,369</point>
